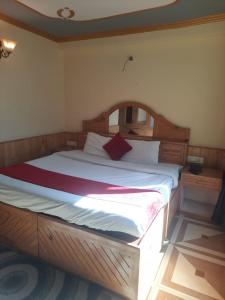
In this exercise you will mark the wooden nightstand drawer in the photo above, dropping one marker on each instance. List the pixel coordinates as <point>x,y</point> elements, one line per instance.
<point>201,181</point>
<point>200,192</point>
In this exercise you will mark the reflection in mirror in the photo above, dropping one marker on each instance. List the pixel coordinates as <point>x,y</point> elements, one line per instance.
<point>131,120</point>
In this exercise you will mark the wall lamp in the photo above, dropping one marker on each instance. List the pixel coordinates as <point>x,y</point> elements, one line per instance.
<point>6,47</point>
<point>129,58</point>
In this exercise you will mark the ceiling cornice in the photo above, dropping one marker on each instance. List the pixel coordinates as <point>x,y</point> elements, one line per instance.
<point>157,27</point>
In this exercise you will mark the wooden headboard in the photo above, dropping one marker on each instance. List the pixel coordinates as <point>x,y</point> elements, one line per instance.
<point>163,129</point>
<point>169,152</point>
<point>174,139</point>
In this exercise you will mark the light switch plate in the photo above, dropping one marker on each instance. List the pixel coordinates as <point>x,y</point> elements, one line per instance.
<point>195,159</point>
<point>71,143</point>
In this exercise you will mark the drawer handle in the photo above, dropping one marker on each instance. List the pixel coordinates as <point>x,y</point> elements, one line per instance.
<point>51,237</point>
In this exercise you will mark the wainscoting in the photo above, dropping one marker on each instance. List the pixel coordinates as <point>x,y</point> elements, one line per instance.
<point>17,151</point>
<point>213,157</point>
<point>13,152</point>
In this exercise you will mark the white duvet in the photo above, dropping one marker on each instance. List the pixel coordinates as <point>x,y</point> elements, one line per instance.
<point>125,213</point>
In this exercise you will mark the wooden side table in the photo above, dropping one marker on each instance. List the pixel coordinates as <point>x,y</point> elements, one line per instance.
<point>209,181</point>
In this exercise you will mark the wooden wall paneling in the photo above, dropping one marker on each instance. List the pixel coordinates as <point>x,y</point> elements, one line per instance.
<point>17,151</point>
<point>78,137</point>
<point>213,157</point>
<point>37,147</point>
<point>72,136</point>
<point>18,228</point>
<point>54,142</point>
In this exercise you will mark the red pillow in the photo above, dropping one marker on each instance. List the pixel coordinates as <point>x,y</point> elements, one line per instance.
<point>117,147</point>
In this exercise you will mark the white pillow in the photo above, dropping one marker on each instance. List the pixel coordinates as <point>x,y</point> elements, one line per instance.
<point>94,143</point>
<point>143,152</point>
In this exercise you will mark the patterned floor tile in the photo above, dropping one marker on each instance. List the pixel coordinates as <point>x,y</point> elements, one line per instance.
<point>195,274</point>
<point>201,236</point>
<point>193,267</point>
<point>166,296</point>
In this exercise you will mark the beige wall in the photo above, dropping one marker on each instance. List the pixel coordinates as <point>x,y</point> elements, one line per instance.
<point>31,86</point>
<point>178,73</point>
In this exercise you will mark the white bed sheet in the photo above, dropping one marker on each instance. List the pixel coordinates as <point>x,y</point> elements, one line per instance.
<point>101,211</point>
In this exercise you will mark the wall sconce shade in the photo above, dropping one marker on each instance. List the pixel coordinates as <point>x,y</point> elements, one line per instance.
<point>6,47</point>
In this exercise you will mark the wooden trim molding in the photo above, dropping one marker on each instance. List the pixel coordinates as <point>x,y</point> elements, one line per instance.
<point>143,29</point>
<point>126,31</point>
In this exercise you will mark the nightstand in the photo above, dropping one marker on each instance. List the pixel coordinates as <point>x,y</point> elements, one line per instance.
<point>200,192</point>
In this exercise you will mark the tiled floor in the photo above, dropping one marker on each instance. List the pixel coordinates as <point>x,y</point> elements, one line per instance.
<point>193,267</point>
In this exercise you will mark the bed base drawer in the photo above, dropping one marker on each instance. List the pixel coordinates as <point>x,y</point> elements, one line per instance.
<point>18,229</point>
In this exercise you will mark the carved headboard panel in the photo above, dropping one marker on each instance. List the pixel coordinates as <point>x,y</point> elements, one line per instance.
<point>138,121</point>
<point>161,128</point>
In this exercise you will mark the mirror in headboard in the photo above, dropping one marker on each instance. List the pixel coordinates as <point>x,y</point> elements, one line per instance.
<point>136,119</point>
<point>131,120</point>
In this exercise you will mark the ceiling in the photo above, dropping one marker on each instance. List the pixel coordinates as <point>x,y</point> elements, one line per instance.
<point>66,20</point>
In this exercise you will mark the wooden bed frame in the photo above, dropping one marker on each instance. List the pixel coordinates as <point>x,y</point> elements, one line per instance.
<point>122,267</point>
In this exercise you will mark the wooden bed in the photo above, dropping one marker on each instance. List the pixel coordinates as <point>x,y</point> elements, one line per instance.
<point>122,267</point>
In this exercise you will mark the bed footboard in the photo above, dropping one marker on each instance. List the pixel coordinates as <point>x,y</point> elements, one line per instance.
<point>102,260</point>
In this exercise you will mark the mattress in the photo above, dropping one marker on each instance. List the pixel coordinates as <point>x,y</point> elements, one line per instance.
<point>111,213</point>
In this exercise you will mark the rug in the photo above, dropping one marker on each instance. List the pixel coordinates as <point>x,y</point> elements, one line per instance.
<point>26,278</point>
<point>193,267</point>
